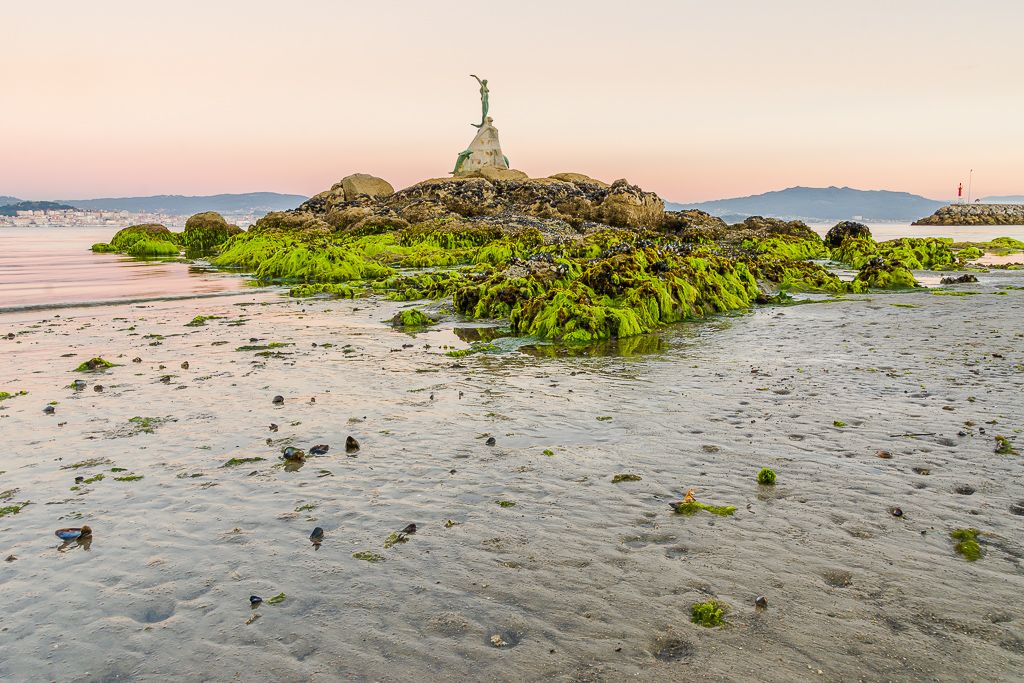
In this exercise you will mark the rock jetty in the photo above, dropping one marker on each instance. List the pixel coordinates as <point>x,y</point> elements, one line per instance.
<point>976,214</point>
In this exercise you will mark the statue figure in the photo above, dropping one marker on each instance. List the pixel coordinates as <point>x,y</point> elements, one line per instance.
<point>484,100</point>
<point>463,155</point>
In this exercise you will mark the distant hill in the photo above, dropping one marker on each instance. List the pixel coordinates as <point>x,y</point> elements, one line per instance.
<point>821,204</point>
<point>13,209</point>
<point>4,201</point>
<point>178,205</point>
<point>1005,199</point>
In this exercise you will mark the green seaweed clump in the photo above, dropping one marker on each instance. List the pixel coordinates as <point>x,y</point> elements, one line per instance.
<point>766,477</point>
<point>412,318</point>
<point>692,507</point>
<point>11,509</point>
<point>971,253</point>
<point>277,599</point>
<point>881,274</point>
<point>204,232</point>
<point>316,259</point>
<point>94,364</point>
<point>4,395</point>
<point>200,320</point>
<point>395,537</point>
<point>1004,447</point>
<point>150,248</point>
<point>967,543</point>
<point>920,253</point>
<point>102,248</point>
<point>340,291</point>
<point>129,477</point>
<point>709,614</point>
<point>506,503</point>
<point>124,239</point>
<point>787,247</point>
<point>855,251</point>
<point>234,462</point>
<point>618,478</point>
<point>367,556</point>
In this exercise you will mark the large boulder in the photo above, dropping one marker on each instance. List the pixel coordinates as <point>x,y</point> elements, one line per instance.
<point>578,179</point>
<point>358,184</point>
<point>206,231</point>
<point>840,232</point>
<point>628,206</point>
<point>126,237</point>
<point>495,173</point>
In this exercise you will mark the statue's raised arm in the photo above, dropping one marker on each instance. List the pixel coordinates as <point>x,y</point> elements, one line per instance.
<point>484,99</point>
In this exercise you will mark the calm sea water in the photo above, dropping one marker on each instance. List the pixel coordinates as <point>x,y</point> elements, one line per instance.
<point>42,267</point>
<point>53,266</point>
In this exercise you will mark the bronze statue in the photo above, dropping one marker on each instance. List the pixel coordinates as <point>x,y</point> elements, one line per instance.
<point>484,100</point>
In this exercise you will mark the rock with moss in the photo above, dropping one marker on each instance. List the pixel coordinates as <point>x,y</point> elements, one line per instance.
<point>94,365</point>
<point>123,239</point>
<point>412,319</point>
<point>103,248</point>
<point>879,273</point>
<point>153,248</point>
<point>205,232</point>
<point>840,232</point>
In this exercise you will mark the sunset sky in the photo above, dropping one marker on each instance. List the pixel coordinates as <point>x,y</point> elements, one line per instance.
<point>692,99</point>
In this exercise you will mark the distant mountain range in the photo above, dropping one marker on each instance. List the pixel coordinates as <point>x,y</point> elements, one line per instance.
<point>13,209</point>
<point>820,204</point>
<point>178,205</point>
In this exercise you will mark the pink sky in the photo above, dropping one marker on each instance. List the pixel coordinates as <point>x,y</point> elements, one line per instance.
<point>693,100</point>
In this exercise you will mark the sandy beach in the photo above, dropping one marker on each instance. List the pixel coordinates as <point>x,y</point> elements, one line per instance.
<point>581,579</point>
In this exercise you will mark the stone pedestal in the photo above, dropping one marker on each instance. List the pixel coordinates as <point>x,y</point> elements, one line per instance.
<point>483,152</point>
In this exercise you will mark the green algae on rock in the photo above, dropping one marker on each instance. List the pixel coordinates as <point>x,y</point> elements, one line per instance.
<point>1004,447</point>
<point>124,239</point>
<point>766,477</point>
<point>152,248</point>
<point>967,543</point>
<point>234,462</point>
<point>340,291</point>
<point>692,507</point>
<point>367,556</point>
<point>879,273</point>
<point>204,232</point>
<point>94,364</point>
<point>709,614</point>
<point>412,318</point>
<point>102,248</point>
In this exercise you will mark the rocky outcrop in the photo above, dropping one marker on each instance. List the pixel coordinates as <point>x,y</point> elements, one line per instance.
<point>206,231</point>
<point>505,198</point>
<point>976,214</point>
<point>840,232</point>
<point>364,184</point>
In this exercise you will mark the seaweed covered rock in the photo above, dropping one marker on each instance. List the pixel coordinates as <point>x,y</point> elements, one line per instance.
<point>855,251</point>
<point>204,232</point>
<point>840,232</point>
<point>760,227</point>
<point>123,239</point>
<point>920,253</point>
<point>102,248</point>
<point>412,319</point>
<point>153,248</point>
<point>879,273</point>
<point>694,225</point>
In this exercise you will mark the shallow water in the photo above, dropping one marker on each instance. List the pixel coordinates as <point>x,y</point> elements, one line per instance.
<point>975,233</point>
<point>51,266</point>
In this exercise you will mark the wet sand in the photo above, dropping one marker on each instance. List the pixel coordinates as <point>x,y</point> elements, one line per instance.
<point>582,579</point>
